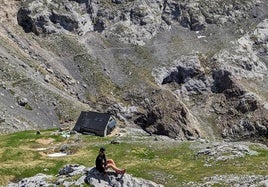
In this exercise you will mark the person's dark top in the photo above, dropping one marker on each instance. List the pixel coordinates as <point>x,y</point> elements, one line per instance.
<point>100,163</point>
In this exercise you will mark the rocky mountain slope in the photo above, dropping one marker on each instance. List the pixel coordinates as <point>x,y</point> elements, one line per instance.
<point>181,68</point>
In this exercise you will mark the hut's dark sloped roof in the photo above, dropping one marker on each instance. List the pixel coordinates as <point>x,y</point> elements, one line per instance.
<point>89,120</point>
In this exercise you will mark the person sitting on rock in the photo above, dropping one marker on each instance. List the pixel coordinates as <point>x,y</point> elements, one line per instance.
<point>102,164</point>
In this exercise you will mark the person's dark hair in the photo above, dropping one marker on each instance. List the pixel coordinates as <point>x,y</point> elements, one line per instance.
<point>102,149</point>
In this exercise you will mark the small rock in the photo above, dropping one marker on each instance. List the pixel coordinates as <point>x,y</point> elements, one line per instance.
<point>2,120</point>
<point>64,148</point>
<point>47,78</point>
<point>66,170</point>
<point>22,101</point>
<point>46,169</point>
<point>115,142</point>
<point>50,70</point>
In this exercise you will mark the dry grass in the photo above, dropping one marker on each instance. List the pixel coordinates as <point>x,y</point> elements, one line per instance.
<point>45,141</point>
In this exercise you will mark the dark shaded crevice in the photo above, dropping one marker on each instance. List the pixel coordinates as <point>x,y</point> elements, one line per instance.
<point>99,25</point>
<point>66,22</point>
<point>24,20</point>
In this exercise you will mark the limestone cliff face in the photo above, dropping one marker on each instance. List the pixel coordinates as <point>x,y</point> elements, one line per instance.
<point>133,21</point>
<point>184,69</point>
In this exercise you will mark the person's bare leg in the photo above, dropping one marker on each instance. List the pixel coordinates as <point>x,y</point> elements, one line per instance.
<point>111,161</point>
<point>123,171</point>
<point>110,165</point>
<point>116,169</point>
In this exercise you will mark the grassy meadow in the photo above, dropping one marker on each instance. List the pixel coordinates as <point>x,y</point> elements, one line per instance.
<point>171,163</point>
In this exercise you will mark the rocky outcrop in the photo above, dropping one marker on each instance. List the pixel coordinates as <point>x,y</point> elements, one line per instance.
<point>225,83</point>
<point>188,75</point>
<point>246,63</point>
<point>240,117</point>
<point>78,175</point>
<point>42,19</point>
<point>231,180</point>
<point>217,152</point>
<point>248,57</point>
<point>225,151</point>
<point>162,113</point>
<point>131,21</point>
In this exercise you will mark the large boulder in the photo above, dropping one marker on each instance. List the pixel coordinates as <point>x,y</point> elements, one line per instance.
<point>94,178</point>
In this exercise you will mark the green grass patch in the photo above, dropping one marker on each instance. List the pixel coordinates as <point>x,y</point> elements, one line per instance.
<point>170,164</point>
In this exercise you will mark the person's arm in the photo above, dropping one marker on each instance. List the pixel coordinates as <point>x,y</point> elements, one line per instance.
<point>105,161</point>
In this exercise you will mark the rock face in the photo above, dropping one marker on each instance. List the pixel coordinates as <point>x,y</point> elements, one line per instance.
<point>84,176</point>
<point>133,21</point>
<point>187,73</point>
<point>247,63</point>
<point>39,18</point>
<point>241,113</point>
<point>153,116</point>
<point>225,83</point>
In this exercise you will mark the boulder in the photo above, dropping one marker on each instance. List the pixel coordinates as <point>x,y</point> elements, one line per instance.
<point>66,170</point>
<point>37,180</point>
<point>94,178</point>
<point>22,101</point>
